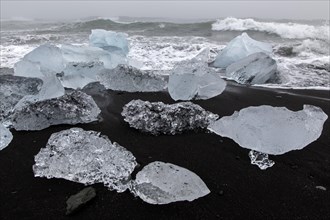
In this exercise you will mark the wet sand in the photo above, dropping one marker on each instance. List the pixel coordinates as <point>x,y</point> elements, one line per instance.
<point>239,190</point>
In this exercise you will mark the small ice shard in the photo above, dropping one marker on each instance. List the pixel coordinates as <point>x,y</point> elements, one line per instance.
<point>5,136</point>
<point>194,79</point>
<point>321,188</point>
<point>72,108</point>
<point>260,159</point>
<point>163,183</point>
<point>109,40</point>
<point>76,54</point>
<point>13,89</point>
<point>85,157</point>
<point>130,79</point>
<point>78,75</point>
<point>80,199</point>
<point>159,118</point>
<point>46,58</point>
<point>238,48</point>
<point>51,88</point>
<point>272,130</point>
<point>257,68</point>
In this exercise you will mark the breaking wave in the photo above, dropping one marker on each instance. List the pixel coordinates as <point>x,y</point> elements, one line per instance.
<point>285,30</point>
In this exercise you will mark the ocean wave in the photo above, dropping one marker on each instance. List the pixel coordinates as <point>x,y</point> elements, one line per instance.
<point>285,30</point>
<point>33,39</point>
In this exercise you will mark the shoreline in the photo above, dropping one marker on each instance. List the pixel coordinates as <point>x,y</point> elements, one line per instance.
<point>238,189</point>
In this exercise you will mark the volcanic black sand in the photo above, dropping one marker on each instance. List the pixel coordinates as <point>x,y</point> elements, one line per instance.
<point>239,190</point>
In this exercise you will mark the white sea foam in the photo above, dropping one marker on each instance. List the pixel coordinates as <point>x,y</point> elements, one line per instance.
<point>13,53</point>
<point>284,30</point>
<point>308,47</point>
<point>162,53</point>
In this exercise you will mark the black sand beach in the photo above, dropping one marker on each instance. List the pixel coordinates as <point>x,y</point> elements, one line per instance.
<point>239,190</point>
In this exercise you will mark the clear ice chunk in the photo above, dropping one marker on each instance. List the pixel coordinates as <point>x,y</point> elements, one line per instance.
<point>260,159</point>
<point>13,89</point>
<point>76,54</point>
<point>130,79</point>
<point>109,40</point>
<point>44,62</point>
<point>272,130</point>
<point>5,136</point>
<point>159,118</point>
<point>85,157</point>
<point>72,108</point>
<point>194,79</point>
<point>28,69</point>
<point>163,183</point>
<point>257,68</point>
<point>78,75</point>
<point>238,48</point>
<point>46,58</point>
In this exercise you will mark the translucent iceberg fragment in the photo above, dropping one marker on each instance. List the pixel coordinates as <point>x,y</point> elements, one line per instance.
<point>109,40</point>
<point>131,79</point>
<point>5,136</point>
<point>78,75</point>
<point>28,69</point>
<point>194,79</point>
<point>257,68</point>
<point>272,130</point>
<point>238,48</point>
<point>163,183</point>
<point>46,58</point>
<point>13,89</point>
<point>44,62</point>
<point>260,159</point>
<point>85,157</point>
<point>75,54</point>
<point>72,108</point>
<point>159,118</point>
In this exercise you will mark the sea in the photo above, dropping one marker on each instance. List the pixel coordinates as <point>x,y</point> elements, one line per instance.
<point>300,47</point>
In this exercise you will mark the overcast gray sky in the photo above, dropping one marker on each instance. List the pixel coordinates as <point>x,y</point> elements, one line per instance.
<point>171,9</point>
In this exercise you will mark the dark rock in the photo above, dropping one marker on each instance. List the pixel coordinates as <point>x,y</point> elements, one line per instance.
<point>76,201</point>
<point>285,51</point>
